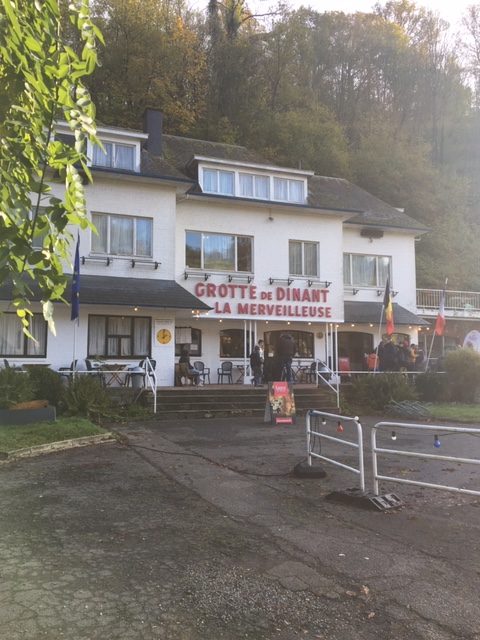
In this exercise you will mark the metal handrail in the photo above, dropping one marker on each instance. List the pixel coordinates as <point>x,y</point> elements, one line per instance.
<point>357,445</point>
<point>454,300</point>
<point>420,455</point>
<point>151,380</point>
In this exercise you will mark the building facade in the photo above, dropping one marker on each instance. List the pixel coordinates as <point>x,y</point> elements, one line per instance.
<point>209,247</point>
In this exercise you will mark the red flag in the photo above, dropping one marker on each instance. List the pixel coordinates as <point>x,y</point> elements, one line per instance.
<point>440,321</point>
<point>388,306</point>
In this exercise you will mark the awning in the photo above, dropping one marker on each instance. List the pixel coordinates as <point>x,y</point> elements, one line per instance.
<point>370,312</point>
<point>131,292</point>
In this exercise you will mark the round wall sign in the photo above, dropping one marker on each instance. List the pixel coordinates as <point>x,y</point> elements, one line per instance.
<point>164,336</point>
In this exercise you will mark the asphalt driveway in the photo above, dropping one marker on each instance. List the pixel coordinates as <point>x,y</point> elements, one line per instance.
<point>198,530</point>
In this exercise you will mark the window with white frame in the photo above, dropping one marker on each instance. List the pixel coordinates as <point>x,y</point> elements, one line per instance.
<point>287,190</point>
<point>114,155</point>
<point>303,258</point>
<point>253,185</point>
<point>218,251</point>
<point>122,235</point>
<point>246,184</point>
<point>15,344</point>
<point>119,336</point>
<point>366,271</point>
<point>218,181</point>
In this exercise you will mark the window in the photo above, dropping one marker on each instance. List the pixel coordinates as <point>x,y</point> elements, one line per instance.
<point>119,336</point>
<point>218,252</point>
<point>188,337</point>
<point>245,184</point>
<point>122,235</point>
<point>232,342</point>
<point>288,190</point>
<point>114,155</point>
<point>217,181</point>
<point>254,186</point>
<point>303,342</point>
<point>14,343</point>
<point>365,271</point>
<point>303,258</point>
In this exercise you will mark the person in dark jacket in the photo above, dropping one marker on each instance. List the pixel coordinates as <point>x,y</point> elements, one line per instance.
<point>256,362</point>
<point>286,349</point>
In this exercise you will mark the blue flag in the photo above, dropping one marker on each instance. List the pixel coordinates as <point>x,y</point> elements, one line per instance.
<point>76,283</point>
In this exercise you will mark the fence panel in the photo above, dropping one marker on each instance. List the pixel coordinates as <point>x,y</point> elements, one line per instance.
<point>312,420</point>
<point>393,426</point>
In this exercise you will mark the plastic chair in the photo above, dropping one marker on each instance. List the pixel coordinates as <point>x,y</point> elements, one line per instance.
<point>204,371</point>
<point>225,371</point>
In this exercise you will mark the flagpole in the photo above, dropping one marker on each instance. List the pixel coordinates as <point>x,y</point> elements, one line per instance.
<point>379,339</point>
<point>75,322</point>
<point>430,352</point>
<point>439,322</point>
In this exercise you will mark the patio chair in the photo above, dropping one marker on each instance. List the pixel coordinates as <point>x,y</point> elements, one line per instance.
<point>225,371</point>
<point>204,371</point>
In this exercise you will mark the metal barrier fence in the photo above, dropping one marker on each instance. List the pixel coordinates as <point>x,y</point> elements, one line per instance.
<point>312,434</point>
<point>416,454</point>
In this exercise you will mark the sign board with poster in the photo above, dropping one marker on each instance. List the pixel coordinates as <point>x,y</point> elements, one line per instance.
<point>280,407</point>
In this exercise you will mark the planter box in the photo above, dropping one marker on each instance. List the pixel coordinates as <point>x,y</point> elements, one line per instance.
<point>27,416</point>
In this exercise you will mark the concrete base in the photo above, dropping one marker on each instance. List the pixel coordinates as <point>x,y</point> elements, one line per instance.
<point>303,470</point>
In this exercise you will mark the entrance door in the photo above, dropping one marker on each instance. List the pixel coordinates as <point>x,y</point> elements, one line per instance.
<point>354,345</point>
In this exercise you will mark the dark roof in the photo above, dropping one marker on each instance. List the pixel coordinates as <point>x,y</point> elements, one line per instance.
<point>371,312</point>
<point>342,194</point>
<point>323,192</point>
<point>179,151</point>
<point>141,292</point>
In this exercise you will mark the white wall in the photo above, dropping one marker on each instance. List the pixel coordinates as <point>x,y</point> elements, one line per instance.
<point>133,198</point>
<point>401,247</point>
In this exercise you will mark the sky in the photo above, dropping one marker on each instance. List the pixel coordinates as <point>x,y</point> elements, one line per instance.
<point>450,10</point>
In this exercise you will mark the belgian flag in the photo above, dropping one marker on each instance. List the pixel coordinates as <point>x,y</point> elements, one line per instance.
<point>388,307</point>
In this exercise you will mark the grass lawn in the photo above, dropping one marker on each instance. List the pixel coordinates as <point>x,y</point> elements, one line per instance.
<point>456,411</point>
<point>20,436</point>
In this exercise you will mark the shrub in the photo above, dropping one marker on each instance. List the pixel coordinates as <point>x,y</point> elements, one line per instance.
<point>463,375</point>
<point>47,385</point>
<point>431,387</point>
<point>85,396</point>
<point>15,386</point>
<point>378,390</point>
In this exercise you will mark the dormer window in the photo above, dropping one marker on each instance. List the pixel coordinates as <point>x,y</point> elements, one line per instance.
<point>114,155</point>
<point>217,181</point>
<point>254,186</point>
<point>286,190</point>
<point>248,180</point>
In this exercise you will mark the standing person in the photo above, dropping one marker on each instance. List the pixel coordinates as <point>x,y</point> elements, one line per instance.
<point>193,373</point>
<point>261,346</point>
<point>256,362</point>
<point>285,351</point>
<point>389,356</point>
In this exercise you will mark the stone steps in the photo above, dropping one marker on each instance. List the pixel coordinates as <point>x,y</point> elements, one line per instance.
<point>214,401</point>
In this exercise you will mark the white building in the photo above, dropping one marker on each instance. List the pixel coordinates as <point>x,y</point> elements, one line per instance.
<point>208,245</point>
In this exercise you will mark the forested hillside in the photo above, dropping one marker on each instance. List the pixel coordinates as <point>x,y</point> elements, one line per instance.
<point>388,99</point>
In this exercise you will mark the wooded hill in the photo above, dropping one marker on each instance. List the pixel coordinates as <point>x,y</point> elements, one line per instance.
<point>389,100</point>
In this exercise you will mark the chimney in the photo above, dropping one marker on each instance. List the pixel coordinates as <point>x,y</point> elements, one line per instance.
<point>152,124</point>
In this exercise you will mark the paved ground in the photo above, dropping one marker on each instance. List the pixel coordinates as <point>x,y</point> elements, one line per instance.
<point>196,530</point>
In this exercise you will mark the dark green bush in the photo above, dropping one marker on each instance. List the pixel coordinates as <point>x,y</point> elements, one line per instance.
<point>431,387</point>
<point>15,386</point>
<point>463,375</point>
<point>85,396</point>
<point>47,385</point>
<point>378,390</point>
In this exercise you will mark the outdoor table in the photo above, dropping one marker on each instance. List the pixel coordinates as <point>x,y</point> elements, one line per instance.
<point>114,375</point>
